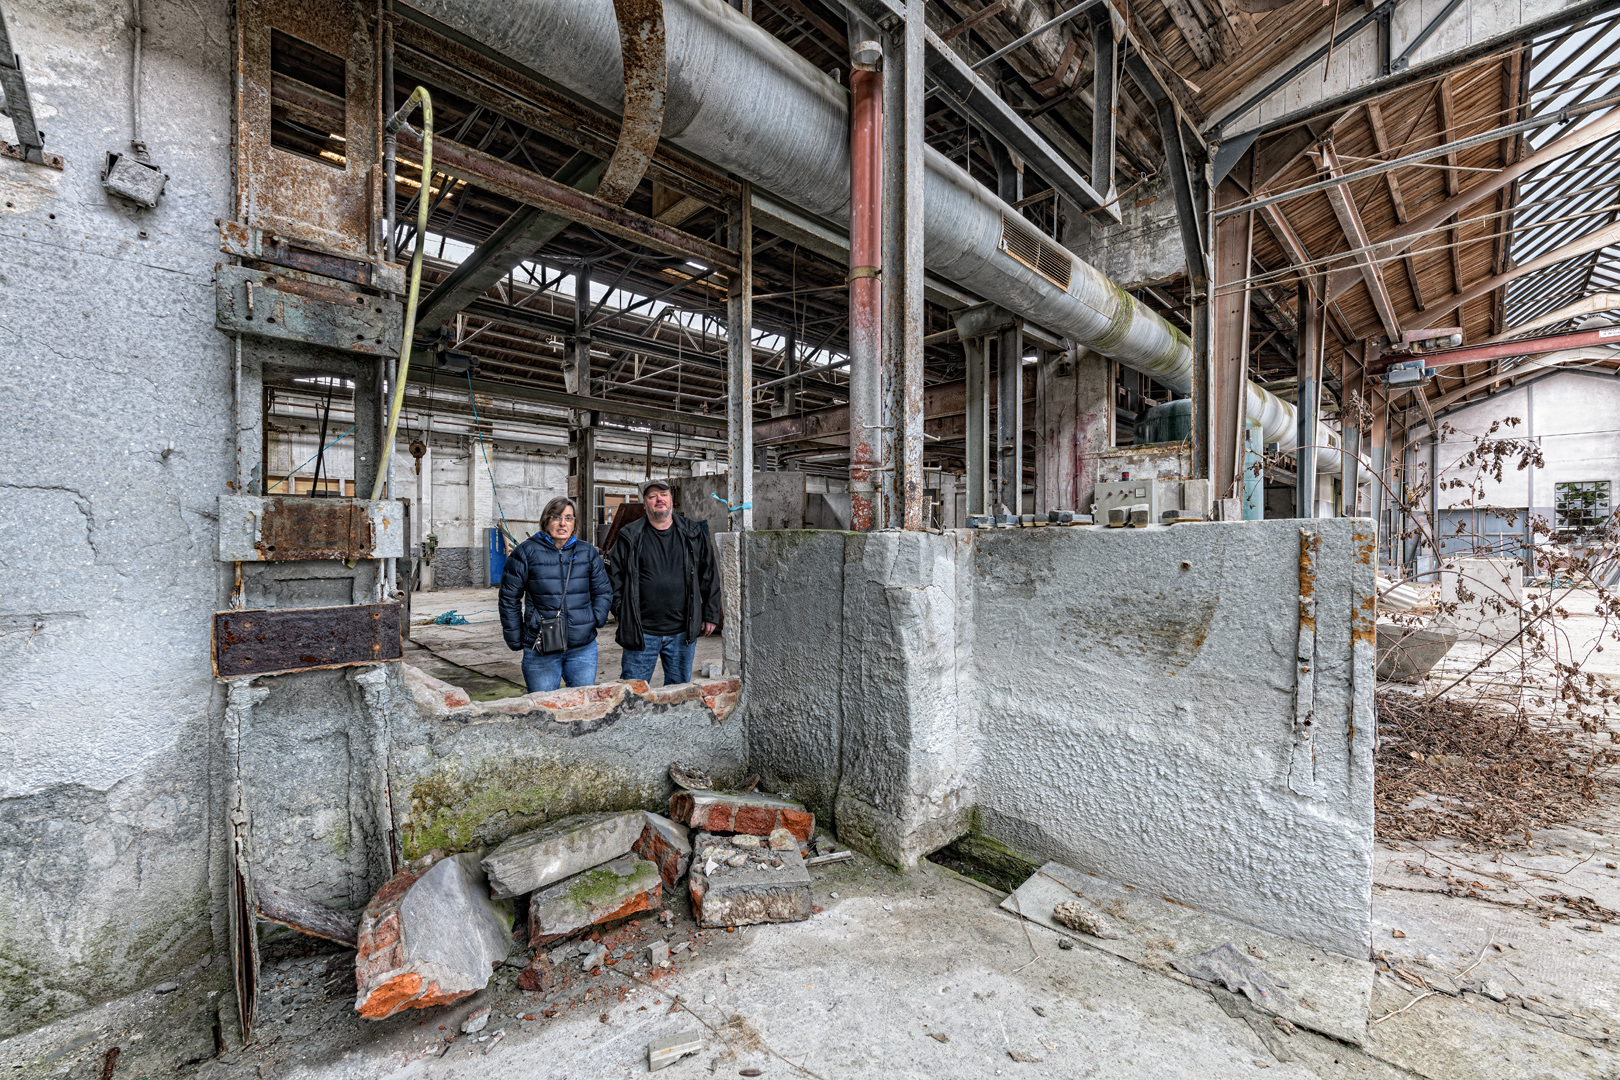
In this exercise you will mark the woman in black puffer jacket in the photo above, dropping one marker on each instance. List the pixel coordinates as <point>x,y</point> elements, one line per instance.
<point>555,572</point>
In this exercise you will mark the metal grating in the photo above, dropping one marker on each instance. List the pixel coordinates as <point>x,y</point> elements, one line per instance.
<point>1051,262</point>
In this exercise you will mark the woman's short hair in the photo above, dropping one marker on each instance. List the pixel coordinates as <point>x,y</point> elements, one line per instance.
<point>554,510</point>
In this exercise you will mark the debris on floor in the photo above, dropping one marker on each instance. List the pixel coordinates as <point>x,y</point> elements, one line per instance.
<point>430,937</point>
<point>1466,771</point>
<point>303,914</point>
<point>738,880</point>
<point>667,844</point>
<point>668,1051</point>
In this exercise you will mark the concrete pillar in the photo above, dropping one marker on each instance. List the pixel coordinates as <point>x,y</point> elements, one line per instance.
<point>1073,401</point>
<point>904,108</point>
<point>740,363</point>
<point>1254,480</point>
<point>581,422</point>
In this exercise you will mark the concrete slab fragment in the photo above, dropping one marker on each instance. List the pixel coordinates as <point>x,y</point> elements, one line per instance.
<point>1324,992</point>
<point>603,893</point>
<point>559,849</point>
<point>736,885</point>
<point>723,812</point>
<point>429,938</point>
<point>668,844</point>
<point>667,1051</point>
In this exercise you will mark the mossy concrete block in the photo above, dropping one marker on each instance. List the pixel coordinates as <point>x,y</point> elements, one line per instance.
<point>601,894</point>
<point>560,849</point>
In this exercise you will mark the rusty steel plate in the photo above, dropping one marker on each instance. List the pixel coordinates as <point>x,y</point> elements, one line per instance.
<point>298,639</point>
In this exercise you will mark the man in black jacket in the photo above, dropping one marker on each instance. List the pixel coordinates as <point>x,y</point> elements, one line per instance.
<point>665,588</point>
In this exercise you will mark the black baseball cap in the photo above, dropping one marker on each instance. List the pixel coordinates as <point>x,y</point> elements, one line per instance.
<point>648,485</point>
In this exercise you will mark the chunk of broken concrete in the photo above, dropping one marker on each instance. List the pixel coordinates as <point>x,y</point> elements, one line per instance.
<point>594,956</point>
<point>756,815</point>
<point>538,976</point>
<point>668,1051</point>
<point>603,893</point>
<point>668,844</point>
<point>559,849</point>
<point>763,886</point>
<point>429,937</point>
<point>475,1021</point>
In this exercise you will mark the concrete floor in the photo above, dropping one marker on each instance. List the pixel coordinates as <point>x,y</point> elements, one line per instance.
<point>479,649</point>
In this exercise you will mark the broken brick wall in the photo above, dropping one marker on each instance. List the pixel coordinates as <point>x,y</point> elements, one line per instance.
<point>1119,700</point>
<point>118,437</point>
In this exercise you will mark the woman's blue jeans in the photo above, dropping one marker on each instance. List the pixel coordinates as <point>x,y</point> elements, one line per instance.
<point>576,666</point>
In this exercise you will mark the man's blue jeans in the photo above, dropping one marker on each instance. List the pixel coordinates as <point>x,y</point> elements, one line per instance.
<point>673,649</point>
<point>548,671</point>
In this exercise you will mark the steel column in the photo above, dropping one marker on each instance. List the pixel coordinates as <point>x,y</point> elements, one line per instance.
<point>1010,420</point>
<point>1234,245</point>
<point>903,180</point>
<point>865,297</point>
<point>1105,103</point>
<point>740,367</point>
<point>978,426</point>
<point>1308,369</point>
<point>581,422</point>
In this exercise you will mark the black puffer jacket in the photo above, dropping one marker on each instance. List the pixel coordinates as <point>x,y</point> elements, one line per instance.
<point>702,580</point>
<point>535,572</point>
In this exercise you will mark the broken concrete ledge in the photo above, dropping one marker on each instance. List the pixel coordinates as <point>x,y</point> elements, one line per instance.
<point>584,708</point>
<point>473,775</point>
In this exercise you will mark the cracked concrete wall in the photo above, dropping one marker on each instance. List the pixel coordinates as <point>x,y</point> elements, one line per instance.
<point>117,403</point>
<point>1122,701</point>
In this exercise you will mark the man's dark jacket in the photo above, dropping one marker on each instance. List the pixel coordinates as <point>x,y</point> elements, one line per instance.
<point>702,580</point>
<point>535,570</point>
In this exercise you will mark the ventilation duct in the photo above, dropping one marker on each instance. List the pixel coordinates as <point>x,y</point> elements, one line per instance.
<point>745,102</point>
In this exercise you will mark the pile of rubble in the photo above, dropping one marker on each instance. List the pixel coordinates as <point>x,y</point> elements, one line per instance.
<point>434,934</point>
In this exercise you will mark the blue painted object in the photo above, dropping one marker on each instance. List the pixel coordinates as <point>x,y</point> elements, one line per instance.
<point>497,555</point>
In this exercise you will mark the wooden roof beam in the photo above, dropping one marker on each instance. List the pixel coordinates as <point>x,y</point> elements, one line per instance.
<point>1344,208</point>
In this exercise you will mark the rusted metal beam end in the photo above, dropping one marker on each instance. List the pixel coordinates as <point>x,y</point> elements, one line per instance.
<point>282,529</point>
<point>641,44</point>
<point>301,639</point>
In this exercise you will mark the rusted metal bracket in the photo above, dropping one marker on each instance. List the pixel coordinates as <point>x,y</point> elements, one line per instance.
<point>641,44</point>
<point>260,304</point>
<point>530,188</point>
<point>281,529</point>
<point>271,642</point>
<point>1302,760</point>
<point>248,242</point>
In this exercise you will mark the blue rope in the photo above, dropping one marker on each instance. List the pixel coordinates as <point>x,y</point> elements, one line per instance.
<point>312,457</point>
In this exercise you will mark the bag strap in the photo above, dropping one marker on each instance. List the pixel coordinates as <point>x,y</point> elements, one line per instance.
<point>562,599</point>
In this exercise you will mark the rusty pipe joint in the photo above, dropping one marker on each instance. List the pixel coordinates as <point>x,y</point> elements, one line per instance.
<point>867,56</point>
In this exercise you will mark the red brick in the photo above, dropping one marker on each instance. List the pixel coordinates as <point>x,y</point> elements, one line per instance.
<point>744,812</point>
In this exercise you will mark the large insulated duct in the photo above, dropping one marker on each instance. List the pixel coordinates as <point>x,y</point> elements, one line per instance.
<point>742,100</point>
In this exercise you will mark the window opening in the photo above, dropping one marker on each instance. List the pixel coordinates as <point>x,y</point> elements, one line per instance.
<point>1582,505</point>
<point>308,88</point>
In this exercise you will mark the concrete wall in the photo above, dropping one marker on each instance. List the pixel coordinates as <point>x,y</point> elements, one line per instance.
<point>1119,700</point>
<point>117,397</point>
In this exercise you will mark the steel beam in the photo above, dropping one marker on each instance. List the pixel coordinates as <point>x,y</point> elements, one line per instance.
<point>513,241</point>
<point>1009,492</point>
<point>1234,248</point>
<point>1308,369</point>
<point>1105,103</point>
<point>990,111</point>
<point>503,178</point>
<point>1344,208</point>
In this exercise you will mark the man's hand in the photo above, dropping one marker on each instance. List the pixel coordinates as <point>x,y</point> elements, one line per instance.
<point>708,628</point>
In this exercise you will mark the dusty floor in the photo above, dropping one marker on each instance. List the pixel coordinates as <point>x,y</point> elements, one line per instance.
<point>475,656</point>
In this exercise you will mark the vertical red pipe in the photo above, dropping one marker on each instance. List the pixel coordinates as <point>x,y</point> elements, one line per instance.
<point>865,293</point>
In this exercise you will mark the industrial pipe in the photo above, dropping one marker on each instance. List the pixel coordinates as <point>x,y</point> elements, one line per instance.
<point>747,103</point>
<point>865,291</point>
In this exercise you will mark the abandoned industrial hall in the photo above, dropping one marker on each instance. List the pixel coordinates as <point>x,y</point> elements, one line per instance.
<point>810,538</point>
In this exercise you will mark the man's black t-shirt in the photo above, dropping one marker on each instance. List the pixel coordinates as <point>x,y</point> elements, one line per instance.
<point>662,581</point>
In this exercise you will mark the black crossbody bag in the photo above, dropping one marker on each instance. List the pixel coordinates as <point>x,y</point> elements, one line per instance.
<point>553,635</point>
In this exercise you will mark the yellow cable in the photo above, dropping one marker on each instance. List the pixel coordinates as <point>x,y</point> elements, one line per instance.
<point>422,97</point>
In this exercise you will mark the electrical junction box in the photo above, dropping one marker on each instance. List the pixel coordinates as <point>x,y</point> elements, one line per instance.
<point>1158,495</point>
<point>130,178</point>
